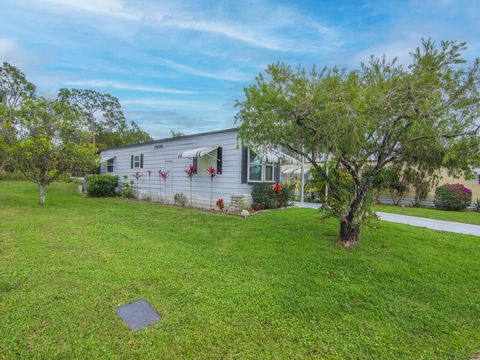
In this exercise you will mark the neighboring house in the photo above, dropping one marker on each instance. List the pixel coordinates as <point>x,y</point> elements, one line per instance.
<point>238,168</point>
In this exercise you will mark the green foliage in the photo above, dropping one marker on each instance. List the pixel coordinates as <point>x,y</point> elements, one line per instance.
<point>264,196</point>
<point>128,190</point>
<point>452,197</point>
<point>50,142</point>
<point>104,116</point>
<point>180,199</point>
<point>379,115</point>
<point>102,185</point>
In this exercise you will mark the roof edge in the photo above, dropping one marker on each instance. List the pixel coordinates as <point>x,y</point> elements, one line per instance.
<point>152,142</point>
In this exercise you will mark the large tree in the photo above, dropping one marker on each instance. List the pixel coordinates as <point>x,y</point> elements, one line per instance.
<point>51,141</point>
<point>14,89</point>
<point>102,111</point>
<point>424,116</point>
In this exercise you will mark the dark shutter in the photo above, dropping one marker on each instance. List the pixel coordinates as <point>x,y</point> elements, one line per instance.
<point>219,160</point>
<point>195,163</point>
<point>131,162</point>
<point>276,173</point>
<point>141,161</point>
<point>244,164</point>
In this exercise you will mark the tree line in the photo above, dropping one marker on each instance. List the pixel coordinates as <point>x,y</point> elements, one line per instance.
<point>44,138</point>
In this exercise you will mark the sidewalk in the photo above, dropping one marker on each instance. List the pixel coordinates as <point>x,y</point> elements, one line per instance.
<point>442,225</point>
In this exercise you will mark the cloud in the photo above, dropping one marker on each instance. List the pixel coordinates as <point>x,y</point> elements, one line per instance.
<point>171,103</point>
<point>112,8</point>
<point>124,86</point>
<point>7,47</point>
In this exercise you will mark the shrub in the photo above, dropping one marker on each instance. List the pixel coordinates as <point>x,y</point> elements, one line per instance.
<point>127,187</point>
<point>180,199</point>
<point>101,185</point>
<point>271,196</point>
<point>220,204</point>
<point>452,197</point>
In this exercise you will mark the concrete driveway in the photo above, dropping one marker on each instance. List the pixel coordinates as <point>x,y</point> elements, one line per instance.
<point>442,225</point>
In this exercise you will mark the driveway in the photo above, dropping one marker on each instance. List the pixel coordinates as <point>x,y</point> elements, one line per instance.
<point>442,225</point>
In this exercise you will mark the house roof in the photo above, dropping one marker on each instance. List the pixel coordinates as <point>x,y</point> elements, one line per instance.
<point>153,142</point>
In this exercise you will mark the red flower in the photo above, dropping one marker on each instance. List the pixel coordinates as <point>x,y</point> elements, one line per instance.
<point>277,188</point>
<point>164,174</point>
<point>191,170</point>
<point>220,204</point>
<point>212,171</point>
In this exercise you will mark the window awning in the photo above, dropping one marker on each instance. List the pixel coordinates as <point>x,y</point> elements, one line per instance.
<point>198,152</point>
<point>295,170</point>
<point>276,156</point>
<point>106,159</point>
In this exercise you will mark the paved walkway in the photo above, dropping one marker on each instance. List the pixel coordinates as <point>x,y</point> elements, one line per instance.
<point>442,225</point>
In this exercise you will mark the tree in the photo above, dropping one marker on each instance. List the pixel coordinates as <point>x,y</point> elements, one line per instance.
<point>126,135</point>
<point>175,134</point>
<point>50,142</point>
<point>382,114</point>
<point>90,103</point>
<point>14,89</point>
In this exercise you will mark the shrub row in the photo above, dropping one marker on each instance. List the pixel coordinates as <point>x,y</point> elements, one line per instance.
<point>102,185</point>
<point>275,196</point>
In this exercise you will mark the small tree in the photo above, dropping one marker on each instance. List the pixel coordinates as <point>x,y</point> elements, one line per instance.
<point>212,172</point>
<point>50,142</point>
<point>191,171</point>
<point>164,176</point>
<point>383,114</point>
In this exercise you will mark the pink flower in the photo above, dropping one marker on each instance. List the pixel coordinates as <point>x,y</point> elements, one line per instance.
<point>191,170</point>
<point>137,175</point>
<point>164,174</point>
<point>212,171</point>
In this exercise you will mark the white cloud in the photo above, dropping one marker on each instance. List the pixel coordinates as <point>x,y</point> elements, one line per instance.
<point>114,8</point>
<point>7,47</point>
<point>171,103</point>
<point>124,86</point>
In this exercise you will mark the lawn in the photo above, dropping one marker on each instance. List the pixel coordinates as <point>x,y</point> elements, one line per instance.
<point>275,285</point>
<point>468,217</point>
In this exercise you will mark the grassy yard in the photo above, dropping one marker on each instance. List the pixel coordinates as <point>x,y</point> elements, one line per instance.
<point>273,286</point>
<point>468,217</point>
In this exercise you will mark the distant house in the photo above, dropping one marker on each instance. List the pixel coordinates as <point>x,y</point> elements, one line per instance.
<point>237,167</point>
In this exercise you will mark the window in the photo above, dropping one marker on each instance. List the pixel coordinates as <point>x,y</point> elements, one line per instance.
<point>136,161</point>
<point>158,147</point>
<point>258,169</point>
<point>110,165</point>
<point>211,159</point>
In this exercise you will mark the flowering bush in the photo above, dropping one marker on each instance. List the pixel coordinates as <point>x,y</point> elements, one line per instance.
<point>271,196</point>
<point>212,172</point>
<point>220,204</point>
<point>452,197</point>
<point>191,171</point>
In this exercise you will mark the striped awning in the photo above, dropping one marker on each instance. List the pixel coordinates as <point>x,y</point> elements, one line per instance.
<point>106,159</point>
<point>197,152</point>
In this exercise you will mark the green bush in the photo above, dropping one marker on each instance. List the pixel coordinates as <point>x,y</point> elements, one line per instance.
<point>101,185</point>
<point>274,196</point>
<point>452,197</point>
<point>127,187</point>
<point>180,199</point>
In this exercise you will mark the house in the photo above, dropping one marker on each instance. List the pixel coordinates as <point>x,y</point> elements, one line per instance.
<point>237,167</point>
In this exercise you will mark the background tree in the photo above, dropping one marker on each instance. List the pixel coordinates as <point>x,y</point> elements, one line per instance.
<point>100,110</point>
<point>14,89</point>
<point>50,142</point>
<point>174,134</point>
<point>383,114</point>
<point>105,118</point>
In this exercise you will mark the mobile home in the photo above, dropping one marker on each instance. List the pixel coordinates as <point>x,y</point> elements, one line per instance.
<point>237,167</point>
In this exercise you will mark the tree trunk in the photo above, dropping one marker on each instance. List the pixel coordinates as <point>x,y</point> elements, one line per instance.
<point>349,232</point>
<point>41,199</point>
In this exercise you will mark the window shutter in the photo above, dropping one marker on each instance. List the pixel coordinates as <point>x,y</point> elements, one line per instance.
<point>131,161</point>
<point>195,163</point>
<point>244,164</point>
<point>276,173</point>
<point>219,160</point>
<point>141,161</point>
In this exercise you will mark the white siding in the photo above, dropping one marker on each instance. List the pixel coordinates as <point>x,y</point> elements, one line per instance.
<point>224,185</point>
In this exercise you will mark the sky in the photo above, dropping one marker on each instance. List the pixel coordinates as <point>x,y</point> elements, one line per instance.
<point>182,65</point>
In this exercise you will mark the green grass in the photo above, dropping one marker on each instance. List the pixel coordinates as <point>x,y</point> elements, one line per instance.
<point>273,286</point>
<point>468,217</point>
